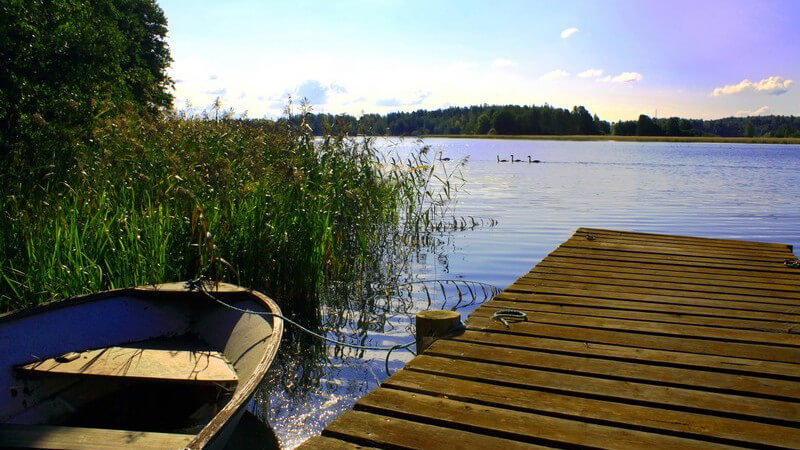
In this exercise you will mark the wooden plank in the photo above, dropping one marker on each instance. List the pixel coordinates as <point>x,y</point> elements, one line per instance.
<point>385,431</point>
<point>138,363</point>
<point>480,322</point>
<point>688,289</point>
<point>669,358</point>
<point>666,270</point>
<point>640,372</point>
<point>677,251</point>
<point>697,426</point>
<point>79,438</point>
<point>592,291</point>
<point>657,236</point>
<point>515,424</point>
<point>642,275</point>
<point>534,283</point>
<point>790,342</point>
<point>769,267</point>
<point>710,248</point>
<point>758,319</point>
<point>713,403</point>
<point>646,316</point>
<point>329,443</point>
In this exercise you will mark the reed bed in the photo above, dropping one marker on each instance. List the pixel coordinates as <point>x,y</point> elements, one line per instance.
<point>264,204</point>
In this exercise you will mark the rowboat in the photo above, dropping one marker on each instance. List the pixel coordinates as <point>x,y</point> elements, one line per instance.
<point>163,366</point>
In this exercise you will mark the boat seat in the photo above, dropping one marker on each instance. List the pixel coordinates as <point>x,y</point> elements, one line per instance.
<point>50,436</point>
<point>203,366</point>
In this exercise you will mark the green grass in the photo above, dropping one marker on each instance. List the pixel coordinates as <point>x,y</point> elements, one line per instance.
<point>264,205</point>
<point>732,140</point>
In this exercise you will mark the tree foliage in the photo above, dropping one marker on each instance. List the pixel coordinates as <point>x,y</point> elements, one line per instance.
<point>64,63</point>
<point>481,119</point>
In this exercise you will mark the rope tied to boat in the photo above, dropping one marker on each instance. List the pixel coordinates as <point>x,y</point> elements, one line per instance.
<point>792,263</point>
<point>508,316</point>
<point>199,286</point>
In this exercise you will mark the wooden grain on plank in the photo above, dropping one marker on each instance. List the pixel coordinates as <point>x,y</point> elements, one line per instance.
<point>81,438</point>
<point>646,316</point>
<point>770,267</point>
<point>610,273</point>
<point>725,364</point>
<point>758,319</point>
<point>708,274</point>
<point>530,283</point>
<point>709,248</point>
<point>677,251</point>
<point>330,443</point>
<point>386,431</point>
<point>641,372</point>
<point>764,352</point>
<point>698,426</point>
<point>657,236</point>
<point>688,289</point>
<point>712,403</point>
<point>589,291</point>
<point>514,424</point>
<point>790,342</point>
<point>154,364</point>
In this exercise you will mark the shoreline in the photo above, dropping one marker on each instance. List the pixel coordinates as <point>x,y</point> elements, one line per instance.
<point>606,137</point>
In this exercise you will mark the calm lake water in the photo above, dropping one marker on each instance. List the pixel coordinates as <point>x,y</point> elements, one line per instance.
<point>713,190</point>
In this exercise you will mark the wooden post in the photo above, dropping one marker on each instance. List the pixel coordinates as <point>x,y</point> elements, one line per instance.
<point>434,324</point>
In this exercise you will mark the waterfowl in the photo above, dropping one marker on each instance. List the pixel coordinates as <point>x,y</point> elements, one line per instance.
<point>532,160</point>
<point>445,159</point>
<point>501,160</point>
<point>515,160</point>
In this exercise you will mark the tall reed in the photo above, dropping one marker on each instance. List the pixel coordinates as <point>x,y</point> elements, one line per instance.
<point>264,204</point>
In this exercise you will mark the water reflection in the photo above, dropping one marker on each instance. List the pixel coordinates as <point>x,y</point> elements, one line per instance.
<point>521,212</point>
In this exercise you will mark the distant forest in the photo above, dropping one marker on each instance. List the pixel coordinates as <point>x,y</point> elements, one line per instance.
<point>544,120</point>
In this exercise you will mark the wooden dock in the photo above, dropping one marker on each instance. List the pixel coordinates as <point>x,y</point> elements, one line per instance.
<point>632,340</point>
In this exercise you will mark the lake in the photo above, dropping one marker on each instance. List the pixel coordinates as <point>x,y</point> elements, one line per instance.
<point>712,190</point>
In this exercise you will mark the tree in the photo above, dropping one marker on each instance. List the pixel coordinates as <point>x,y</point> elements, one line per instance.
<point>646,127</point>
<point>625,128</point>
<point>584,121</point>
<point>673,127</point>
<point>64,63</point>
<point>484,123</point>
<point>504,122</point>
<point>748,129</point>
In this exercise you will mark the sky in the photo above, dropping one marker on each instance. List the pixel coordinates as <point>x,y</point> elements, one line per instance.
<point>697,59</point>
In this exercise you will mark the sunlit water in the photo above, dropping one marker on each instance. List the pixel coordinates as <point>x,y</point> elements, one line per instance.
<point>712,190</point>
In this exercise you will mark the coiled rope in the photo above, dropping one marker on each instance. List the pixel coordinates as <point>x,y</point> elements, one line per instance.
<point>509,316</point>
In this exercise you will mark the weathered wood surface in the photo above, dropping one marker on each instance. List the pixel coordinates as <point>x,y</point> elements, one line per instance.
<point>632,340</point>
<point>142,363</point>
<point>78,438</point>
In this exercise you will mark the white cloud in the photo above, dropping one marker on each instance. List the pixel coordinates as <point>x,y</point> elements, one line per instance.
<point>764,110</point>
<point>395,102</point>
<point>771,85</point>
<point>554,75</point>
<point>501,63</point>
<point>568,32</point>
<point>313,91</point>
<point>591,73</point>
<point>624,77</point>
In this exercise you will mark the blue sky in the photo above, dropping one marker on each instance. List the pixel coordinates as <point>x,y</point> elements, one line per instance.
<point>701,59</point>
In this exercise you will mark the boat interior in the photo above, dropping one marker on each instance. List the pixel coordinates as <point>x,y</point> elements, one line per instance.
<point>148,368</point>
